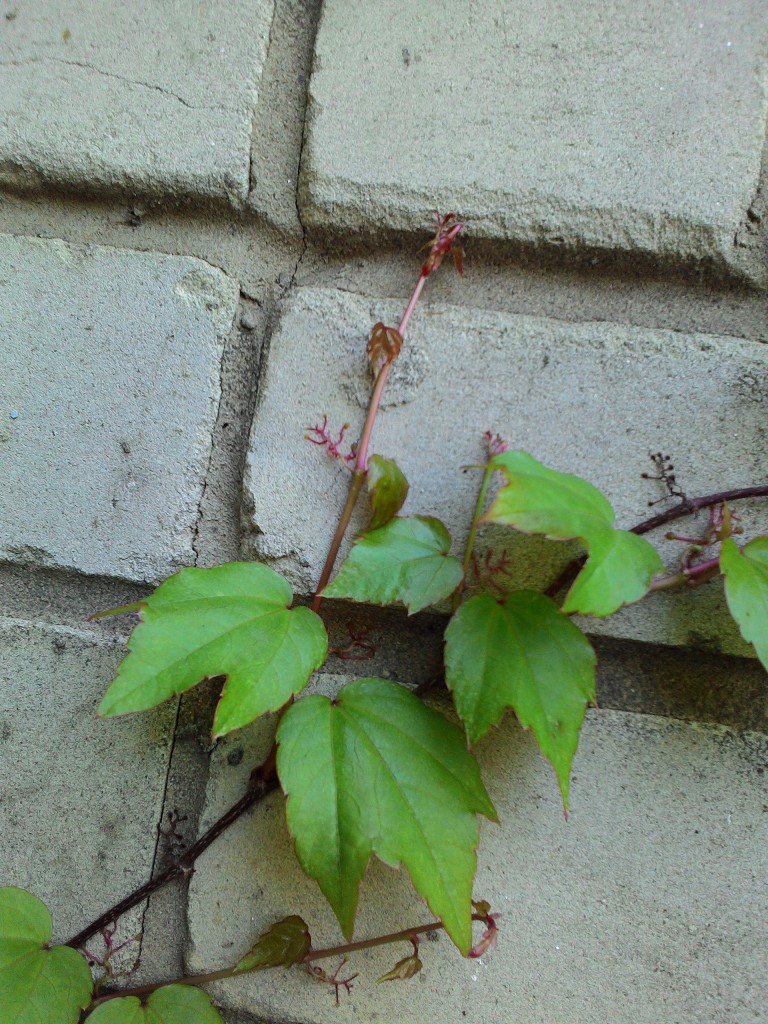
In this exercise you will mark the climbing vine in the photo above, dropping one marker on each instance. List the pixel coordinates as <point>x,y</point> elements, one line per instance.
<point>506,650</point>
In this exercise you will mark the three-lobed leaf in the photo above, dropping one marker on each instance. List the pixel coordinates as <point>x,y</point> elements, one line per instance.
<point>171,1004</point>
<point>746,590</point>
<point>233,620</point>
<point>387,489</point>
<point>376,771</point>
<point>406,562</point>
<point>37,985</point>
<point>521,653</point>
<point>286,943</point>
<point>537,499</point>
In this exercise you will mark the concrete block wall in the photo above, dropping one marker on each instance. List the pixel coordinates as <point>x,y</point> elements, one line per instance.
<point>203,209</point>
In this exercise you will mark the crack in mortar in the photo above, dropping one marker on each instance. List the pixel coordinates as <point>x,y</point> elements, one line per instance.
<point>119,78</point>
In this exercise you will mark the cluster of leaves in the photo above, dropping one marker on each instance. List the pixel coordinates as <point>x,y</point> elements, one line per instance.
<point>374,771</point>
<point>520,652</point>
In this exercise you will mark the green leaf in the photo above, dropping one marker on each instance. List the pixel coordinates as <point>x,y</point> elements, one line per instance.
<point>37,985</point>
<point>618,571</point>
<point>231,621</point>
<point>172,1004</point>
<point>286,943</point>
<point>387,489</point>
<point>537,499</point>
<point>376,771</point>
<point>746,590</point>
<point>405,561</point>
<point>525,654</point>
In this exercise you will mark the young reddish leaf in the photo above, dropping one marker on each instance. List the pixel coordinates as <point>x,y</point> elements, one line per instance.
<point>284,944</point>
<point>403,970</point>
<point>384,345</point>
<point>537,499</point>
<point>231,621</point>
<point>387,488</point>
<point>746,590</point>
<point>171,1004</point>
<point>376,771</point>
<point>405,561</point>
<point>618,571</point>
<point>38,985</point>
<point>525,654</point>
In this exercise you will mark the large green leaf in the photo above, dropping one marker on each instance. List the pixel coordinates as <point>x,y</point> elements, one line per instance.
<point>376,771</point>
<point>525,654</point>
<point>619,568</point>
<point>387,489</point>
<point>286,943</point>
<point>37,985</point>
<point>746,590</point>
<point>405,561</point>
<point>172,1004</point>
<point>231,621</point>
<point>537,499</point>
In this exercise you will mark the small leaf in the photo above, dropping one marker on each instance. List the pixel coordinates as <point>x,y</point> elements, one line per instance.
<point>171,1004</point>
<point>37,985</point>
<point>405,561</point>
<point>746,590</point>
<point>403,970</point>
<point>384,344</point>
<point>537,499</point>
<point>376,771</point>
<point>231,621</point>
<point>618,571</point>
<point>284,944</point>
<point>525,654</point>
<point>387,488</point>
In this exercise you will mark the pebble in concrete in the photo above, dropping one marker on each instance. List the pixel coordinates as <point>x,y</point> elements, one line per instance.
<point>111,362</point>
<point>587,398</point>
<point>80,799</point>
<point>103,98</point>
<point>638,128</point>
<point>649,904</point>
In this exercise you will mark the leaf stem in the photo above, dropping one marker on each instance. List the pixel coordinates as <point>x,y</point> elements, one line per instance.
<point>479,506</point>
<point>404,935</point>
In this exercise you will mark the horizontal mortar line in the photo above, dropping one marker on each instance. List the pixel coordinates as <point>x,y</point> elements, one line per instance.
<point>118,78</point>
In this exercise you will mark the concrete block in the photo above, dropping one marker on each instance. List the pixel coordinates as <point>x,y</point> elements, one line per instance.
<point>649,904</point>
<point>109,385</point>
<point>636,127</point>
<point>80,799</point>
<point>588,398</point>
<point>100,97</point>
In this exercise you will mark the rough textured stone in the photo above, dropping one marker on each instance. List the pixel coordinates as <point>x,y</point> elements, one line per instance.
<point>110,384</point>
<point>100,96</point>
<point>79,798</point>
<point>649,904</point>
<point>632,127</point>
<point>592,399</point>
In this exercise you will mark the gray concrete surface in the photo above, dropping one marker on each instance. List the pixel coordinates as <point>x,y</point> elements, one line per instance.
<point>79,798</point>
<point>99,96</point>
<point>107,406</point>
<point>592,399</point>
<point>629,127</point>
<point>648,905</point>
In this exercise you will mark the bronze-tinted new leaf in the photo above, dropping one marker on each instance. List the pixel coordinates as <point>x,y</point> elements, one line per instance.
<point>284,944</point>
<point>384,345</point>
<point>403,969</point>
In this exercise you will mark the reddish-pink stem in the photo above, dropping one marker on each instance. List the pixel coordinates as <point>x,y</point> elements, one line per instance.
<point>361,462</point>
